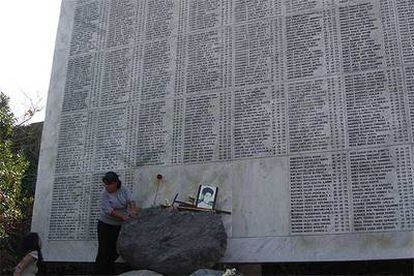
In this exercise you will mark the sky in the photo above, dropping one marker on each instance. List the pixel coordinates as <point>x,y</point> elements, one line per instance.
<point>27,40</point>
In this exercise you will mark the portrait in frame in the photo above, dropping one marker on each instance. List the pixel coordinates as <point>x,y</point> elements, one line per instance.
<point>206,196</point>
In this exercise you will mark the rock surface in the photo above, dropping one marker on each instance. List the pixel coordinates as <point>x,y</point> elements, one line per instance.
<point>172,242</point>
<point>207,272</point>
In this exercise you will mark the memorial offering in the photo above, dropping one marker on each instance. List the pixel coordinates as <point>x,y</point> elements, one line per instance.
<point>206,197</point>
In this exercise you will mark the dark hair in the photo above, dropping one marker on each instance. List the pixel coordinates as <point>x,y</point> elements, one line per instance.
<point>112,177</point>
<point>31,242</point>
<point>207,190</point>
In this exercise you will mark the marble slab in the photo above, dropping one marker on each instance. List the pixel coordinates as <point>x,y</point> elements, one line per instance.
<point>300,112</point>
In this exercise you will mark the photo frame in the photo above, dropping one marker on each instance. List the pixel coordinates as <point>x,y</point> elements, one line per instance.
<point>206,196</point>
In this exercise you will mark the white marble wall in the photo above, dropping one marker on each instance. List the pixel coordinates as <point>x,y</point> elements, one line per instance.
<point>257,190</point>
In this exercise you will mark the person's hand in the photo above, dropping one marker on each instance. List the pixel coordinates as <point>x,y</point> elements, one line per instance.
<point>133,210</point>
<point>17,272</point>
<point>120,215</point>
<point>134,213</point>
<point>124,217</point>
<point>23,264</point>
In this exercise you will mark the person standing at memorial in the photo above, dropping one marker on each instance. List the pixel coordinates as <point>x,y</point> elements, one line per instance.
<point>116,207</point>
<point>32,259</point>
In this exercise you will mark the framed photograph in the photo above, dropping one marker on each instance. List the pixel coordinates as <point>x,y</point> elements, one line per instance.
<point>206,196</point>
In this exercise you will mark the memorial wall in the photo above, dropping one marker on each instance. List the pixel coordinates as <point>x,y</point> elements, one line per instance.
<point>301,112</point>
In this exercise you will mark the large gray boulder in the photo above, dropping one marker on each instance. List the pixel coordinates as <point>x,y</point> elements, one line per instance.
<point>172,242</point>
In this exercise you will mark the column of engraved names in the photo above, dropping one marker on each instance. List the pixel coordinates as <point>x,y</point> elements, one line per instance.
<point>207,14</point>
<point>375,108</point>
<point>409,82</point>
<point>370,41</point>
<point>152,135</point>
<point>70,202</point>
<point>311,44</point>
<point>74,143</point>
<point>82,80</point>
<point>180,56</point>
<point>207,122</point>
<point>259,106</point>
<point>69,210</point>
<point>157,84</point>
<point>316,115</point>
<point>294,6</point>
<point>376,113</point>
<point>177,150</point>
<point>225,151</point>
<point>258,52</point>
<point>177,139</point>
<point>160,21</point>
<point>382,189</point>
<point>405,182</point>
<point>88,31</point>
<point>253,118</point>
<point>62,224</point>
<point>115,134</point>
<point>95,191</point>
<point>124,22</point>
<point>319,193</point>
<point>117,77</point>
<point>157,81</point>
<point>404,173</point>
<point>209,47</point>
<point>390,34</point>
<point>206,128</point>
<point>200,128</point>
<point>399,117</point>
<point>315,106</point>
<point>279,122</point>
<point>114,137</point>
<point>121,67</point>
<point>256,9</point>
<point>208,53</point>
<point>159,48</point>
<point>331,38</point>
<point>316,119</point>
<point>86,220</point>
<point>258,43</point>
<point>405,14</point>
<point>362,46</point>
<point>69,215</point>
<point>80,88</point>
<point>84,199</point>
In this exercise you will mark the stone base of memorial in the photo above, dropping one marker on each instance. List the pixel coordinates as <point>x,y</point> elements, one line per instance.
<point>168,241</point>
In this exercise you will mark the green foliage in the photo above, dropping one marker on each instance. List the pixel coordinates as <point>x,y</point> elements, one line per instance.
<point>12,170</point>
<point>6,118</point>
<point>27,139</point>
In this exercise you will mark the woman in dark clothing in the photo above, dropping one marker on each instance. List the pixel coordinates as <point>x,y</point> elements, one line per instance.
<point>116,207</point>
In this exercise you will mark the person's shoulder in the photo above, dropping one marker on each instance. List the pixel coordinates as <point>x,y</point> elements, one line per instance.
<point>123,190</point>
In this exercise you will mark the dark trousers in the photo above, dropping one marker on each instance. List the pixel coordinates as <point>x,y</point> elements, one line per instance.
<point>107,254</point>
